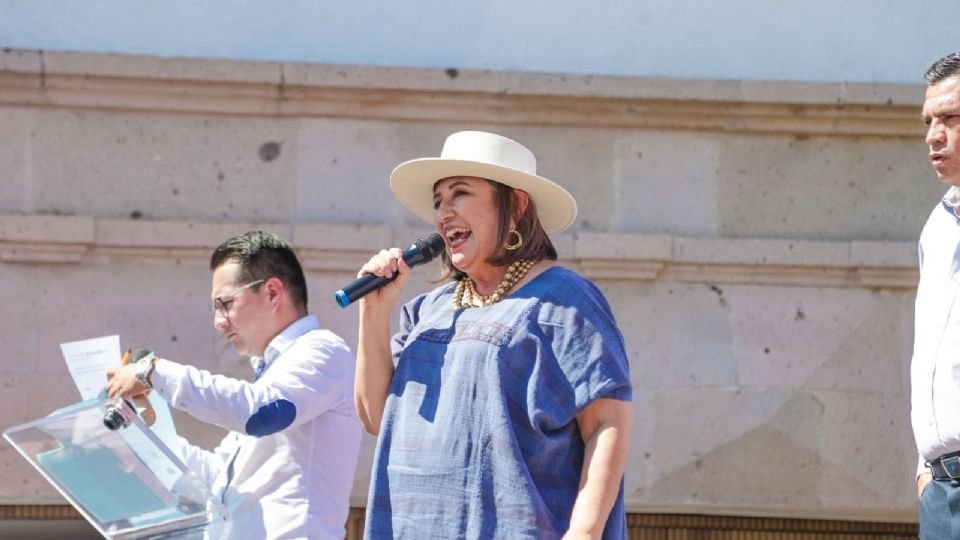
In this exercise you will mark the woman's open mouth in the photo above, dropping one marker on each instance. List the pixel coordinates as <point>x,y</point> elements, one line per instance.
<point>456,236</point>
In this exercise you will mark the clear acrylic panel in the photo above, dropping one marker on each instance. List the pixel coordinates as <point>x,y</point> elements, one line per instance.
<point>127,483</point>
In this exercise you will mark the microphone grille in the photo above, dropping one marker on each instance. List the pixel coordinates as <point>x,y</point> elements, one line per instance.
<point>431,244</point>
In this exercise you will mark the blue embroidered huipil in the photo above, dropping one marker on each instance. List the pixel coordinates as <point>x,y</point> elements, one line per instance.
<point>479,437</point>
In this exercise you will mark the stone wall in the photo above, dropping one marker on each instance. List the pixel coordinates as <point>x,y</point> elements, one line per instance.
<point>756,241</point>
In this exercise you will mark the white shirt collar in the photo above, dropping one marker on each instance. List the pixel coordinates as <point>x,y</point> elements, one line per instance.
<point>951,201</point>
<point>282,341</point>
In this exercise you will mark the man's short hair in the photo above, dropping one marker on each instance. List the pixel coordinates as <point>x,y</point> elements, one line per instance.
<point>944,68</point>
<point>262,255</point>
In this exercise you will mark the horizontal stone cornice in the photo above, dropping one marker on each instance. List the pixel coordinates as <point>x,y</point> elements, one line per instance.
<point>118,82</point>
<point>37,239</point>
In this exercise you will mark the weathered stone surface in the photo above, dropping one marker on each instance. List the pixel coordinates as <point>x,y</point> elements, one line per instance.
<point>164,167</point>
<point>823,188</point>
<point>755,242</point>
<point>16,158</point>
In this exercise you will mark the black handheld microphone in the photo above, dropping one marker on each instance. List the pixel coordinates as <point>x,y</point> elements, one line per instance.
<point>422,251</point>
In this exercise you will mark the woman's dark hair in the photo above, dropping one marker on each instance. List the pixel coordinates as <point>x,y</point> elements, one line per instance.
<point>263,255</point>
<point>536,243</point>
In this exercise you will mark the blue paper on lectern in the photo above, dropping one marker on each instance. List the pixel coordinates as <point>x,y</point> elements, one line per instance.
<point>98,480</point>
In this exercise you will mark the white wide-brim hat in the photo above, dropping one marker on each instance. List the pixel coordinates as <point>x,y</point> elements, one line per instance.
<point>483,155</point>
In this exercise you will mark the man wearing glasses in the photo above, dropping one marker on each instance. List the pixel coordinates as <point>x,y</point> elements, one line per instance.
<point>285,470</point>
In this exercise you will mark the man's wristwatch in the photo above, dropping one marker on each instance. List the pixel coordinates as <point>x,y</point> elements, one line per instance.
<point>144,368</point>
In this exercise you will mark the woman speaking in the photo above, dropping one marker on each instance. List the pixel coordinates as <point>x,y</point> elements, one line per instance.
<point>502,404</point>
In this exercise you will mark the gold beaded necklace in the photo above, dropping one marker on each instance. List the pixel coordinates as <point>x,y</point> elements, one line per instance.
<point>466,295</point>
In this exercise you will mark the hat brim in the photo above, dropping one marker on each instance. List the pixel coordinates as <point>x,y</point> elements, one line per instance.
<point>412,183</point>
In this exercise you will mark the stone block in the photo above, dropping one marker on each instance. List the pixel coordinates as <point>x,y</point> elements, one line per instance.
<point>791,92</point>
<point>171,315</point>
<point>162,167</point>
<point>580,160</point>
<point>822,188</point>
<point>153,67</point>
<point>833,339</point>
<point>802,253</point>
<point>380,77</point>
<point>662,186</point>
<point>884,254</point>
<point>564,243</point>
<point>178,234</point>
<point>403,237</point>
<point>16,158</point>
<point>344,171</point>
<point>21,61</point>
<point>762,252</point>
<point>703,439</point>
<point>884,94</point>
<point>22,329</point>
<point>641,462</point>
<point>662,88</point>
<point>656,247</point>
<point>341,237</point>
<point>43,229</point>
<point>746,436</point>
<point>665,350</point>
<point>869,453</point>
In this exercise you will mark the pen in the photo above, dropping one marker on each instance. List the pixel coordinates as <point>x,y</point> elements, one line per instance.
<point>126,358</point>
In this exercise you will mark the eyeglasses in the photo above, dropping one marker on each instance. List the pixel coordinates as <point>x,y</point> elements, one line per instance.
<point>222,304</point>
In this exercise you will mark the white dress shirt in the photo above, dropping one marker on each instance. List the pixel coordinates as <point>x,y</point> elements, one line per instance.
<point>286,469</point>
<point>935,368</point>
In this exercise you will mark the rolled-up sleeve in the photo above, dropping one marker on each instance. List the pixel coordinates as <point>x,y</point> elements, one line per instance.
<point>310,377</point>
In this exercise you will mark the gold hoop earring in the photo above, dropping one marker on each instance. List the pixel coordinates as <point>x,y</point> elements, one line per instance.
<point>516,245</point>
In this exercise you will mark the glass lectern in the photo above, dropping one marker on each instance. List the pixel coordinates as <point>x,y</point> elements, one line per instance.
<point>127,483</point>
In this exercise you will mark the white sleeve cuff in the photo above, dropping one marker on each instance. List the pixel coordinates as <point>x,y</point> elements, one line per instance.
<point>166,378</point>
